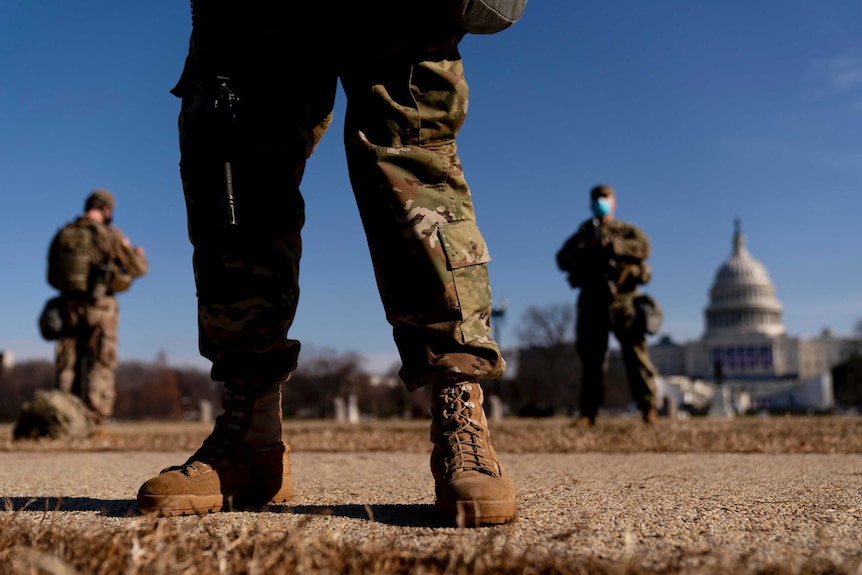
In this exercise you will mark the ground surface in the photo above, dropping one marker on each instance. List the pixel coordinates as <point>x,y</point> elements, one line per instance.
<point>750,509</point>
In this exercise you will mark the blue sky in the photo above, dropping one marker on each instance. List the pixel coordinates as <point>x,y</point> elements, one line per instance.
<point>697,112</point>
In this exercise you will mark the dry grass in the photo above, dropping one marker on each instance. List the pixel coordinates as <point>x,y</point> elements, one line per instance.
<point>159,546</point>
<point>163,547</point>
<point>808,434</point>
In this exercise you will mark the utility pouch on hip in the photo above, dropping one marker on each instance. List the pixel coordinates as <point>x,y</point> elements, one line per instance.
<point>487,16</point>
<point>51,324</point>
<point>649,314</point>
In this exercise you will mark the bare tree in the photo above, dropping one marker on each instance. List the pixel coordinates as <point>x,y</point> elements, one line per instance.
<point>547,361</point>
<point>322,375</point>
<point>550,326</point>
<point>147,391</point>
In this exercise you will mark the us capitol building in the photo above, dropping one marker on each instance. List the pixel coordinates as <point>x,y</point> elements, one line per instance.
<point>745,343</point>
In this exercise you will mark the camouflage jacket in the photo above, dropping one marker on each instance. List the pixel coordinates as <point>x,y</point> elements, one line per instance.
<point>127,263</point>
<point>607,258</point>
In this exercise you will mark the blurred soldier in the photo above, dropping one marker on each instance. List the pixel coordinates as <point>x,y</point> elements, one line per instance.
<point>258,90</point>
<point>605,260</point>
<point>89,262</point>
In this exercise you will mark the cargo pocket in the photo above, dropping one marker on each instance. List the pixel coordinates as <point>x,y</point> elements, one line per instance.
<point>466,256</point>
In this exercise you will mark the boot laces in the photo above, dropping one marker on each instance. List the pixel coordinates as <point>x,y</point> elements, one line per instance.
<point>466,440</point>
<point>228,431</point>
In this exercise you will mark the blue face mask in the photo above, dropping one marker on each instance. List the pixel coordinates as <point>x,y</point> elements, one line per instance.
<point>601,207</point>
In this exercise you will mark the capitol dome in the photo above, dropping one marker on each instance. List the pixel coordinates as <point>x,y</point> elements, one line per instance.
<point>742,298</point>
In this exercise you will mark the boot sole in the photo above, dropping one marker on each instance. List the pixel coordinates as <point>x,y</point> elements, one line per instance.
<point>472,513</point>
<point>172,505</point>
<point>185,504</point>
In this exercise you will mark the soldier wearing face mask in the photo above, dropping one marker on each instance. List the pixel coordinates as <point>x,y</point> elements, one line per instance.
<point>605,260</point>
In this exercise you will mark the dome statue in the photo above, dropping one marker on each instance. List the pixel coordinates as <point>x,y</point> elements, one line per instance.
<point>742,297</point>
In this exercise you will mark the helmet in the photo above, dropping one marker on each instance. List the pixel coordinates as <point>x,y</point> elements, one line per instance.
<point>99,198</point>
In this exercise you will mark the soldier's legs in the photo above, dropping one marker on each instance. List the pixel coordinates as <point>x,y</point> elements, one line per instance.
<point>640,371</point>
<point>246,274</point>
<point>641,375</point>
<point>71,352</point>
<point>85,364</point>
<point>247,283</point>
<point>430,262</point>
<point>98,383</point>
<point>65,360</point>
<point>592,329</point>
<point>429,257</point>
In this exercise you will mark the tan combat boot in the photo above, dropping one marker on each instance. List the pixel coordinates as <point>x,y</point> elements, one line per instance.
<point>650,416</point>
<point>243,462</point>
<point>585,421</point>
<point>471,486</point>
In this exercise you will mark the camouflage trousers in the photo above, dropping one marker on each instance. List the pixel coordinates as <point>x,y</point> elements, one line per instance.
<point>85,365</point>
<point>596,320</point>
<point>429,258</point>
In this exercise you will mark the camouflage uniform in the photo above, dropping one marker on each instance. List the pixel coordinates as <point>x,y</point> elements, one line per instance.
<point>607,263</point>
<point>85,363</point>
<point>258,90</point>
<point>406,101</point>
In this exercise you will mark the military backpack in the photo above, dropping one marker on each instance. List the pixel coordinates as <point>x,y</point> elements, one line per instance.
<point>73,259</point>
